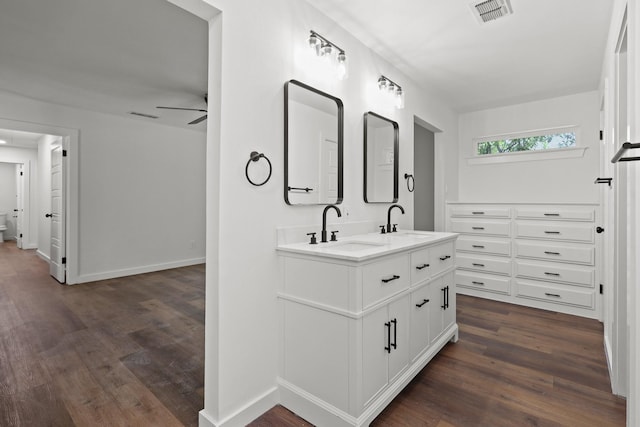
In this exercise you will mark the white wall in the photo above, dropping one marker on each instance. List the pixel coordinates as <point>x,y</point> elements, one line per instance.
<point>558,180</point>
<point>141,202</point>
<point>8,197</point>
<point>242,265</point>
<point>29,158</point>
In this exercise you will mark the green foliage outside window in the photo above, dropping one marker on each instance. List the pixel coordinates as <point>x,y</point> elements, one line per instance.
<point>530,143</point>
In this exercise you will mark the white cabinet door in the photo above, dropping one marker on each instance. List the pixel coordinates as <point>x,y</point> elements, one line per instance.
<point>399,319</point>
<point>435,314</point>
<point>420,308</point>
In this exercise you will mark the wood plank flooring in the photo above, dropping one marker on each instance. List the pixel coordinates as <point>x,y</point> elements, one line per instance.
<point>512,366</point>
<point>121,352</point>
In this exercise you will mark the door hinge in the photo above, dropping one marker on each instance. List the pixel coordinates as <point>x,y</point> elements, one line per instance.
<point>601,135</point>
<point>601,288</point>
<point>64,153</point>
<point>64,259</point>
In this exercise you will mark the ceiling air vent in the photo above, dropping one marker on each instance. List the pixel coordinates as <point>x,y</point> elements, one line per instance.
<point>491,10</point>
<point>149,116</point>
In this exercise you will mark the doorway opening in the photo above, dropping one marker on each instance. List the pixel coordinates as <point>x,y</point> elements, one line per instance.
<point>424,176</point>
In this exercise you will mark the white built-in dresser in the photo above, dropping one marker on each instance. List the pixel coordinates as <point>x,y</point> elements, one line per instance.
<point>538,255</point>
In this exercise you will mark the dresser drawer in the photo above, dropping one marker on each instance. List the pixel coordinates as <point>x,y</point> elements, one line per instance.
<point>553,251</point>
<point>487,264</point>
<point>555,294</point>
<point>484,245</point>
<point>384,278</point>
<point>481,212</point>
<point>571,274</point>
<point>420,265</point>
<point>559,213</point>
<point>555,231</point>
<point>485,282</point>
<point>472,226</point>
<point>442,257</point>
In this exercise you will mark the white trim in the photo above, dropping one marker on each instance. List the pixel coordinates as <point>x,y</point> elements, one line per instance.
<point>244,415</point>
<point>527,156</point>
<point>83,278</point>
<point>42,255</point>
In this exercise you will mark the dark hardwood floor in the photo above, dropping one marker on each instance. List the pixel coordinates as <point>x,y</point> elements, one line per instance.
<point>512,366</point>
<point>121,352</point>
<point>130,352</point>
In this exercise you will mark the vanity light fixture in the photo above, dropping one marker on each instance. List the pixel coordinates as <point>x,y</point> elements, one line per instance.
<point>394,89</point>
<point>325,48</point>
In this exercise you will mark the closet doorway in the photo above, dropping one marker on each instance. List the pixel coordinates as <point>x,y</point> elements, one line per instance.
<point>424,177</point>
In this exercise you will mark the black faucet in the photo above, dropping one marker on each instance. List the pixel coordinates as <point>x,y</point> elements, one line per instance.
<point>324,221</point>
<point>389,230</point>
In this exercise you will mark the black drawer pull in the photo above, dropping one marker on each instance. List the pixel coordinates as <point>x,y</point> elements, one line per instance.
<point>477,228</point>
<point>478,283</point>
<point>552,214</point>
<point>552,274</point>
<point>444,258</point>
<point>552,295</point>
<point>424,301</point>
<point>551,253</point>
<point>478,213</point>
<point>477,246</point>
<point>423,266</point>
<point>388,326</point>
<point>551,232</point>
<point>477,265</point>
<point>394,277</point>
<point>395,334</point>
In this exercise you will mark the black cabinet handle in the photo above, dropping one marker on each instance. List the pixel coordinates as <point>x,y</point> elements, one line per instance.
<point>395,334</point>
<point>552,274</point>
<point>478,213</point>
<point>423,266</point>
<point>424,301</point>
<point>551,253</point>
<point>477,228</point>
<point>477,265</point>
<point>551,232</point>
<point>478,283</point>
<point>552,214</point>
<point>477,246</point>
<point>388,326</point>
<point>552,295</point>
<point>444,298</point>
<point>444,258</point>
<point>394,277</point>
<point>447,294</point>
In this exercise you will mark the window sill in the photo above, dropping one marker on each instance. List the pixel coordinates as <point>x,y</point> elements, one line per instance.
<point>527,156</point>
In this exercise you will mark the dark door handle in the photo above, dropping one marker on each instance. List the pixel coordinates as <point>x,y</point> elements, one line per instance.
<point>48,215</point>
<point>599,230</point>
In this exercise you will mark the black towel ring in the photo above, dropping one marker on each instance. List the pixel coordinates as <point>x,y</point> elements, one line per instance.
<point>254,157</point>
<point>413,182</point>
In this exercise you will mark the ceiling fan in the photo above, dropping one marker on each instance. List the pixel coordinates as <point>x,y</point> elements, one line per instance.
<point>196,121</point>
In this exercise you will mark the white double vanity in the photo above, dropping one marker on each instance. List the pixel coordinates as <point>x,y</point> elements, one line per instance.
<point>360,317</point>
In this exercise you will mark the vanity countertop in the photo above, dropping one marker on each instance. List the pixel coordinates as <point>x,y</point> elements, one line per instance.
<point>364,247</point>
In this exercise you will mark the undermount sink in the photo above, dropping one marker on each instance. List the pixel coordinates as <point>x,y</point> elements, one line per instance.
<point>354,246</point>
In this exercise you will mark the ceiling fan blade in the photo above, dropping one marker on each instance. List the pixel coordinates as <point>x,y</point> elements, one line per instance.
<point>198,120</point>
<point>185,109</point>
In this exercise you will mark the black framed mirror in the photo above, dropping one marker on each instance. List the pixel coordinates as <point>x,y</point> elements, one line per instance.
<point>313,146</point>
<point>381,143</point>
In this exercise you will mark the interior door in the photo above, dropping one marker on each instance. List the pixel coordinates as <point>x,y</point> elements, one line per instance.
<point>57,255</point>
<point>18,213</point>
<point>328,169</point>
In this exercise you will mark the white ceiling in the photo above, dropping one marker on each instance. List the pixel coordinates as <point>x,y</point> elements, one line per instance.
<point>113,56</point>
<point>546,48</point>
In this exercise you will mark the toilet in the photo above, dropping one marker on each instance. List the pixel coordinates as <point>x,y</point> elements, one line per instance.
<point>3,225</point>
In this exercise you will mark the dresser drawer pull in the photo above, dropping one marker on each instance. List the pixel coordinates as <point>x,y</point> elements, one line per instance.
<point>552,214</point>
<point>424,301</point>
<point>478,283</point>
<point>552,295</point>
<point>444,258</point>
<point>551,232</point>
<point>477,228</point>
<point>478,213</point>
<point>551,253</point>
<point>552,274</point>
<point>477,265</point>
<point>478,246</point>
<point>394,277</point>
<point>423,266</point>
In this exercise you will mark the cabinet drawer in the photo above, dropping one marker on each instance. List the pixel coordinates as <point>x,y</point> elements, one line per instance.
<point>575,274</point>
<point>484,245</point>
<point>421,266</point>
<point>488,264</point>
<point>470,226</point>
<point>555,231</point>
<point>384,278</point>
<point>484,282</point>
<point>556,294</point>
<point>442,257</point>
<point>553,251</point>
<point>560,213</point>
<point>481,212</point>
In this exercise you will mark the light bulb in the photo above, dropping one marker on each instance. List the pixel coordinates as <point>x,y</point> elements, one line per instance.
<point>382,83</point>
<point>342,69</point>
<point>391,88</point>
<point>326,49</point>
<point>399,98</point>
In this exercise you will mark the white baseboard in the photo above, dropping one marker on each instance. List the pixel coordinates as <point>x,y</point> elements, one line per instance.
<point>244,415</point>
<point>43,256</point>
<point>84,278</point>
<point>609,357</point>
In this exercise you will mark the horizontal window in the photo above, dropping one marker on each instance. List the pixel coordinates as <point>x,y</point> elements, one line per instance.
<point>542,140</point>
